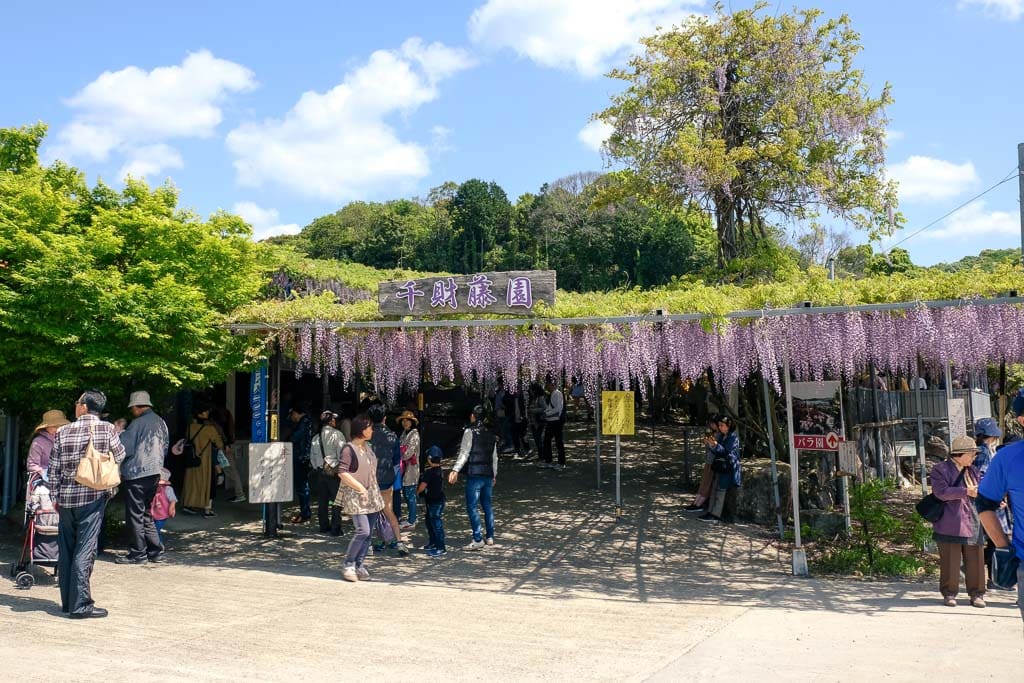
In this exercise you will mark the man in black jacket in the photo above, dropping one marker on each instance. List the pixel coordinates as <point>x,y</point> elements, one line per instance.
<point>478,454</point>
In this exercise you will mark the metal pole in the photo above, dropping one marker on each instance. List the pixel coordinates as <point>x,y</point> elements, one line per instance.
<point>1020,180</point>
<point>949,397</point>
<point>799,554</point>
<point>9,445</point>
<point>920,437</point>
<point>771,449</point>
<point>618,473</point>
<point>597,430</point>
<point>272,511</point>
<point>880,461</point>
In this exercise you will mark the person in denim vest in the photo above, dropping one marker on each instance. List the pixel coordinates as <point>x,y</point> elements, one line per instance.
<point>478,454</point>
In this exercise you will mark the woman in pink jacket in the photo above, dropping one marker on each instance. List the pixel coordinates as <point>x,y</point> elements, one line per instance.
<point>958,532</point>
<point>42,443</point>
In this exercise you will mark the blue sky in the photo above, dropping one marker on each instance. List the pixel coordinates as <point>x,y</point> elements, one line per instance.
<point>286,111</point>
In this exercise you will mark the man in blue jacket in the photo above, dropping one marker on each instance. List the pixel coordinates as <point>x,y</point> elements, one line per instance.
<point>145,442</point>
<point>1005,476</point>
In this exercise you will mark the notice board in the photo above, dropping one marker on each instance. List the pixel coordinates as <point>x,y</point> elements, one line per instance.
<point>270,472</point>
<point>617,415</point>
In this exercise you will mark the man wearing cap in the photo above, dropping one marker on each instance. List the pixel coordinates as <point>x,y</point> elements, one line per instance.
<point>81,508</point>
<point>1005,476</point>
<point>478,454</point>
<point>145,442</point>
<point>987,435</point>
<point>324,457</point>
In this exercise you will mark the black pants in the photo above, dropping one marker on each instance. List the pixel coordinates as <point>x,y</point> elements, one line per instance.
<point>519,437</point>
<point>76,541</point>
<point>553,430</point>
<point>143,539</point>
<point>396,504</point>
<point>327,515</point>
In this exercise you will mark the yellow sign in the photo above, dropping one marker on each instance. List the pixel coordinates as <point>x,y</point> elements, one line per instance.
<point>617,413</point>
<point>274,422</point>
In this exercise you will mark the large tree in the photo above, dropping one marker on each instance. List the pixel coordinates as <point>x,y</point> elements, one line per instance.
<point>481,218</point>
<point>110,289</point>
<point>754,116</point>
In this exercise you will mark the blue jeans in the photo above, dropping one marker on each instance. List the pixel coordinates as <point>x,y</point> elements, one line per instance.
<point>435,524</point>
<point>410,500</point>
<point>478,492</point>
<point>360,543</point>
<point>160,524</point>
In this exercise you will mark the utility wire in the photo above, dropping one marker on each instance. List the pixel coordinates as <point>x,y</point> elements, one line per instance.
<point>1013,174</point>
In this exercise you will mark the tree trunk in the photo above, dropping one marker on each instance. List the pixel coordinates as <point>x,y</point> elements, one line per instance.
<point>725,224</point>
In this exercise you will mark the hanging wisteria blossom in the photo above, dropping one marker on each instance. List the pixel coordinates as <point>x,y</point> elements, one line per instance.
<point>816,346</point>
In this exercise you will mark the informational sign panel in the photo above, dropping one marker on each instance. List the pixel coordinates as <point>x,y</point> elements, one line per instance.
<point>617,416</point>
<point>270,472</point>
<point>515,292</point>
<point>957,417</point>
<point>258,403</point>
<point>817,416</point>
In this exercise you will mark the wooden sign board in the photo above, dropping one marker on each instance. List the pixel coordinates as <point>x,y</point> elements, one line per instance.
<point>515,293</point>
<point>849,461</point>
<point>270,472</point>
<point>617,416</point>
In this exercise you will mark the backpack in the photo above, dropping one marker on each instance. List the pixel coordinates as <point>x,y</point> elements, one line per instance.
<point>161,506</point>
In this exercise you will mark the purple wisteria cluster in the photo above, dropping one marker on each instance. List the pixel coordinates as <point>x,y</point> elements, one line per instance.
<point>816,346</point>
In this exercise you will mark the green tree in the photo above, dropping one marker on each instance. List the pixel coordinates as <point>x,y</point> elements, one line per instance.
<point>896,260</point>
<point>754,115</point>
<point>481,217</point>
<point>111,289</point>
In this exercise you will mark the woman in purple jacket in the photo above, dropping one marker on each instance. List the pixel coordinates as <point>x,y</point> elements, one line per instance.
<point>958,533</point>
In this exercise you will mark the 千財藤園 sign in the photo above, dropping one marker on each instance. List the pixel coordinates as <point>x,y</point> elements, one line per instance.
<point>516,293</point>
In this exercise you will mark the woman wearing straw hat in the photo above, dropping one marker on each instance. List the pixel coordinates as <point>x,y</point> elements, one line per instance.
<point>42,443</point>
<point>958,532</point>
<point>410,445</point>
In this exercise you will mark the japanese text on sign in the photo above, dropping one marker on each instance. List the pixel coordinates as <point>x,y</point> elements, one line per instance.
<point>516,292</point>
<point>617,413</point>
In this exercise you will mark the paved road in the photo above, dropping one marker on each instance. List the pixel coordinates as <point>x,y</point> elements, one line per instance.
<point>566,594</point>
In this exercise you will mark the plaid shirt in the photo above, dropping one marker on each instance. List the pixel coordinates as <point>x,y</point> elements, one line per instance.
<point>68,448</point>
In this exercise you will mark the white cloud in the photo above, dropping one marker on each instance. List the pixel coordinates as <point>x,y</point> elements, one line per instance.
<point>150,160</point>
<point>588,36</point>
<point>265,222</point>
<point>337,145</point>
<point>594,134</point>
<point>893,135</point>
<point>1011,10</point>
<point>927,178</point>
<point>131,112</point>
<point>974,221</point>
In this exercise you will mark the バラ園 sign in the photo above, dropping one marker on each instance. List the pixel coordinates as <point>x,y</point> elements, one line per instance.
<point>514,292</point>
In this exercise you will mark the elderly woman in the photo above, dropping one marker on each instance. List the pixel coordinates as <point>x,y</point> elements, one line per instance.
<point>957,532</point>
<point>42,442</point>
<point>359,496</point>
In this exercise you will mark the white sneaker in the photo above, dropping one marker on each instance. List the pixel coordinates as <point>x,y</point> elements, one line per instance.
<point>474,545</point>
<point>489,540</point>
<point>349,574</point>
<point>362,573</point>
<point>404,526</point>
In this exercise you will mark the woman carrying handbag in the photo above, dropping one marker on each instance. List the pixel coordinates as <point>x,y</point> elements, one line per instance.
<point>957,531</point>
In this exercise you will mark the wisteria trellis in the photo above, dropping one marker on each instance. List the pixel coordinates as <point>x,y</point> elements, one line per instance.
<point>970,336</point>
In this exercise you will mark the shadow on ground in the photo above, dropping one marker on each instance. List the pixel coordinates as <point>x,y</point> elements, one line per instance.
<point>557,538</point>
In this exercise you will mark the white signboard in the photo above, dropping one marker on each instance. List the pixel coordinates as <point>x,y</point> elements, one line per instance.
<point>957,418</point>
<point>849,461</point>
<point>270,472</point>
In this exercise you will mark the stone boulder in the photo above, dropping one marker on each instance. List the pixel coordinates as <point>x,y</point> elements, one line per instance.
<point>754,500</point>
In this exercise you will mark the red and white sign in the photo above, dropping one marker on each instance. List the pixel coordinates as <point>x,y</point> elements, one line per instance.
<point>817,442</point>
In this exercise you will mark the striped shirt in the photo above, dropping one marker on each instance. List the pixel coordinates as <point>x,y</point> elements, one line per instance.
<point>68,448</point>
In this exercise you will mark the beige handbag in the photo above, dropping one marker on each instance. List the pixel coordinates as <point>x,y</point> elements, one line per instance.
<point>97,471</point>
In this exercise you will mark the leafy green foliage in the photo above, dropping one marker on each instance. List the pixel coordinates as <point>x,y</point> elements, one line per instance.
<point>111,289</point>
<point>988,259</point>
<point>754,114</point>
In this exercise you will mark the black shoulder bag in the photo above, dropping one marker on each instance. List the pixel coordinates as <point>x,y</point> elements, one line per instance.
<point>930,507</point>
